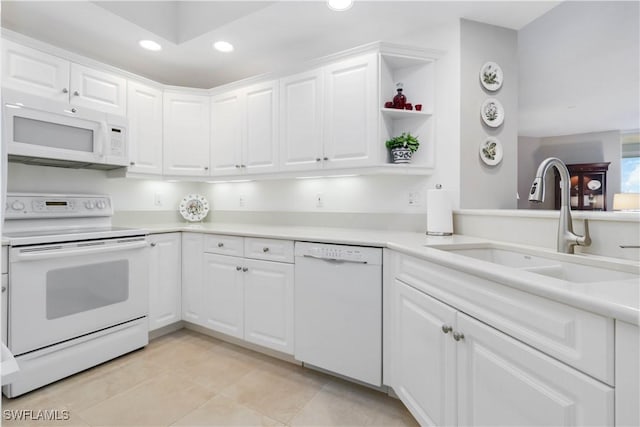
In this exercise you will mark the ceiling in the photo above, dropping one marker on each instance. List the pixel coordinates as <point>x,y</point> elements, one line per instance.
<point>267,35</point>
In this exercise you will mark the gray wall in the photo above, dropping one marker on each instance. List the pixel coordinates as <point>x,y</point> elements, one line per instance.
<point>482,186</point>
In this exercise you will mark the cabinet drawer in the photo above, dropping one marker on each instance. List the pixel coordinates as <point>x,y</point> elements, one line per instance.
<point>269,249</point>
<point>224,245</point>
<point>579,338</point>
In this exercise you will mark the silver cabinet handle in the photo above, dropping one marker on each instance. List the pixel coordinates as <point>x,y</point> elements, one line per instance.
<point>265,249</point>
<point>325,159</point>
<point>153,245</point>
<point>243,166</point>
<point>238,268</point>
<point>237,166</point>
<point>447,328</point>
<point>629,246</point>
<point>220,244</point>
<point>65,90</point>
<point>76,93</point>
<point>245,269</point>
<point>4,289</point>
<point>132,163</point>
<point>458,336</point>
<point>206,168</point>
<point>318,159</point>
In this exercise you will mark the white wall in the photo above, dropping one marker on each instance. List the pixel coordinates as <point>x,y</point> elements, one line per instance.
<point>483,186</point>
<point>127,194</point>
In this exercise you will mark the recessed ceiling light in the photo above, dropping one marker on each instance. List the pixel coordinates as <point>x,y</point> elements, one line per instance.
<point>339,5</point>
<point>223,46</point>
<point>150,45</point>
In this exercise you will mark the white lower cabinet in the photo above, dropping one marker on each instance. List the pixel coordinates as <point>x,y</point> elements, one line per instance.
<point>627,374</point>
<point>450,368</point>
<point>165,281</point>
<point>249,299</point>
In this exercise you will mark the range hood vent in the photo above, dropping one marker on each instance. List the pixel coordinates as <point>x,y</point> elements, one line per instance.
<point>68,164</point>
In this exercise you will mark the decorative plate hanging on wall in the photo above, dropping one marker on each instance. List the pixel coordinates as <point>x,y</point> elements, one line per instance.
<point>491,76</point>
<point>492,112</point>
<point>491,151</point>
<point>194,208</point>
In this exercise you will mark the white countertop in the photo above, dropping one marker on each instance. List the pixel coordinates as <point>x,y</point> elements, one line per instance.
<point>619,300</point>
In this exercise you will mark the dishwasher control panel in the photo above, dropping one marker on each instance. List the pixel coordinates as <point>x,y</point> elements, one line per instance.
<point>366,255</point>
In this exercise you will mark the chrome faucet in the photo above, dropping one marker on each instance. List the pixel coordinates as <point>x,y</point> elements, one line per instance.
<point>567,239</point>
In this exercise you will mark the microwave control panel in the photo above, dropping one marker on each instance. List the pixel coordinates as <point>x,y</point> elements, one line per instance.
<point>116,141</point>
<point>29,206</point>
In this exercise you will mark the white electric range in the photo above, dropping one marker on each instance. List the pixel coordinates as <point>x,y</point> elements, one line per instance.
<point>78,287</point>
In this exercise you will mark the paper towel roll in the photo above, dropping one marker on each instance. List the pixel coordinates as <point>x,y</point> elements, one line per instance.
<point>439,213</point>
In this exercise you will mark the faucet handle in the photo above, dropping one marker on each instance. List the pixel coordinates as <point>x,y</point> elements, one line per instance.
<point>586,239</point>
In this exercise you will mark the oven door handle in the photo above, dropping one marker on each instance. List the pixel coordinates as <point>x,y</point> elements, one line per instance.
<point>58,252</point>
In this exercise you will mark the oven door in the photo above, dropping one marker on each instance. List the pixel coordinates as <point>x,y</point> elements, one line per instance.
<point>63,291</point>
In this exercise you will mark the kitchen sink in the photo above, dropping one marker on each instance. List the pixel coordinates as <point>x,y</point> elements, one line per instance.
<point>571,268</point>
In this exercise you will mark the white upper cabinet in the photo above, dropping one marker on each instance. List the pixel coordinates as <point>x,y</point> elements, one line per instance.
<point>97,89</point>
<point>350,126</point>
<point>186,134</point>
<point>226,133</point>
<point>38,73</point>
<point>35,72</point>
<point>260,148</point>
<point>301,98</point>
<point>244,130</point>
<point>145,128</point>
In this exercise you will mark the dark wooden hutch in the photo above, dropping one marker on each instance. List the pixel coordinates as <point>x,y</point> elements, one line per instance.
<point>588,186</point>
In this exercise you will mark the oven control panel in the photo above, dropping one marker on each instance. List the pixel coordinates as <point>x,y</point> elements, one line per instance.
<point>30,206</point>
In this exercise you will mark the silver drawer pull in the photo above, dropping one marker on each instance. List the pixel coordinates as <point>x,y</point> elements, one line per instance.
<point>4,289</point>
<point>458,336</point>
<point>238,268</point>
<point>447,328</point>
<point>245,269</point>
<point>630,246</point>
<point>220,244</point>
<point>265,249</point>
<point>153,245</point>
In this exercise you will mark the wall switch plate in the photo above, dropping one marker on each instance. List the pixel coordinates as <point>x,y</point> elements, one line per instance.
<point>414,198</point>
<point>319,200</point>
<point>157,199</point>
<point>242,201</point>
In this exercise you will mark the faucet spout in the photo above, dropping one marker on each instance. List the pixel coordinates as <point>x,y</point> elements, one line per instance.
<point>567,239</point>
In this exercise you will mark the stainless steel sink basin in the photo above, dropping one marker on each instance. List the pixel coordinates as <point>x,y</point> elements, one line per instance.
<point>572,268</point>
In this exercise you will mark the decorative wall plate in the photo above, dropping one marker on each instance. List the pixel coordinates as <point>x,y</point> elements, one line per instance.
<point>594,184</point>
<point>491,151</point>
<point>194,207</point>
<point>492,112</point>
<point>491,76</point>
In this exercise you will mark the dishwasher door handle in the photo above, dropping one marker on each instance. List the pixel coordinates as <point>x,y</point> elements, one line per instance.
<point>334,259</point>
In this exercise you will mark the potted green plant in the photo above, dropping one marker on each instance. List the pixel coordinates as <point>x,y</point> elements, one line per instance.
<point>402,147</point>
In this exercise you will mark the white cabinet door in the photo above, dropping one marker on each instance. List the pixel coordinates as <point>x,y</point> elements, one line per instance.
<point>144,107</point>
<point>98,90</point>
<point>423,356</point>
<point>268,304</point>
<point>165,281</point>
<point>223,294</point>
<point>627,374</point>
<point>226,133</point>
<point>504,382</point>
<point>260,147</point>
<point>301,99</point>
<point>192,269</point>
<point>350,135</point>
<point>35,72</point>
<point>186,134</point>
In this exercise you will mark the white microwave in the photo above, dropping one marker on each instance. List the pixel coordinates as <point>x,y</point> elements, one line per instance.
<point>52,133</point>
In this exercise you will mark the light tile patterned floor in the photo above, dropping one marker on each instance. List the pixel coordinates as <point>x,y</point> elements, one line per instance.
<point>188,379</point>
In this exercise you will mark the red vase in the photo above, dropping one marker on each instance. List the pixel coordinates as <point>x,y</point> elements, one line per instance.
<point>399,100</point>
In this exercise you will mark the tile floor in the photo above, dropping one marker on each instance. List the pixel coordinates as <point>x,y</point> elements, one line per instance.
<point>189,379</point>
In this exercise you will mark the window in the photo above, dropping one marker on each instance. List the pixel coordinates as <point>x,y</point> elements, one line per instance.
<point>630,168</point>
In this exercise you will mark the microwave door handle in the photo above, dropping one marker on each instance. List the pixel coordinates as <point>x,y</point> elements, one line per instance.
<point>103,139</point>
<point>25,255</point>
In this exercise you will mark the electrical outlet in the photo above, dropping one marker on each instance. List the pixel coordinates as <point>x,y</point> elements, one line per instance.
<point>319,200</point>
<point>414,198</point>
<point>157,199</point>
<point>241,200</point>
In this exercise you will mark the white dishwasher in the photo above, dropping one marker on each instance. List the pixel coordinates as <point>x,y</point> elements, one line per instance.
<point>338,309</point>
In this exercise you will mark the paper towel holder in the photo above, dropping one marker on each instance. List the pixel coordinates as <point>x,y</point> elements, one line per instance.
<point>439,229</point>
